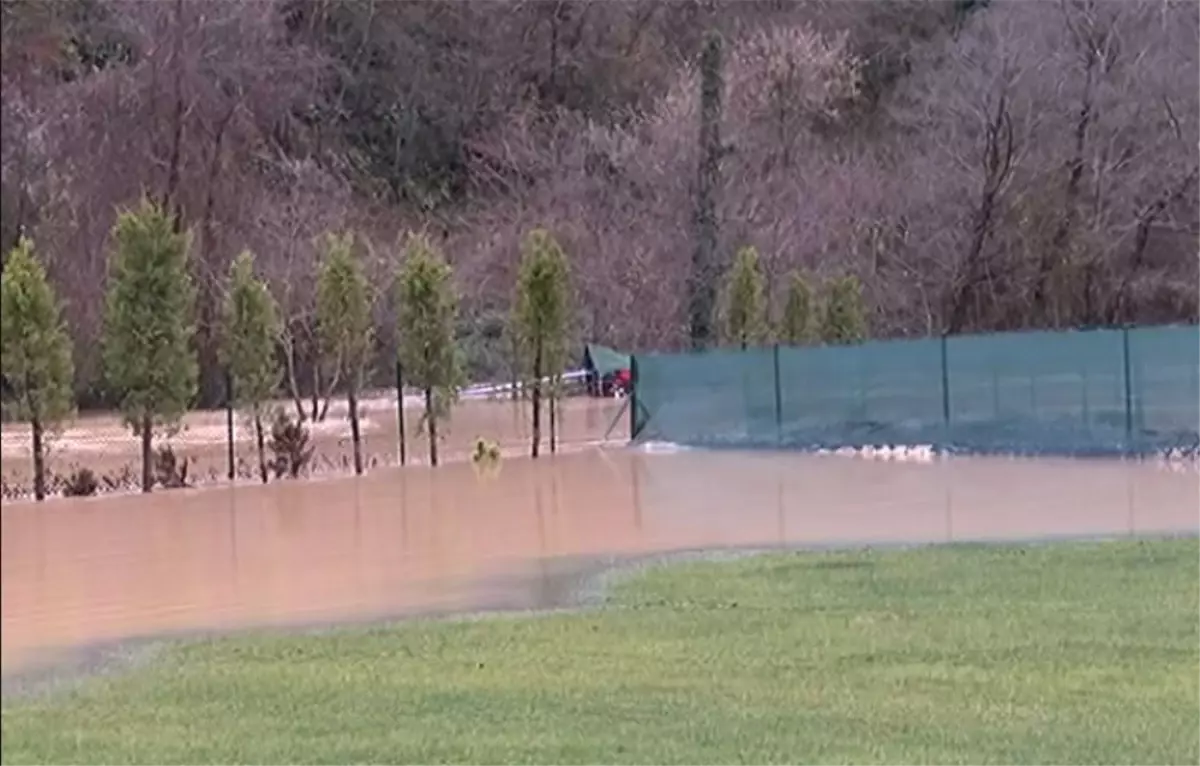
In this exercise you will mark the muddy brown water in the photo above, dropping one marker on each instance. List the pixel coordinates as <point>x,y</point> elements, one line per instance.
<point>396,541</point>
<point>101,443</point>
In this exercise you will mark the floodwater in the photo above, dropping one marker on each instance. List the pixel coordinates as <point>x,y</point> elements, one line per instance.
<point>102,444</point>
<point>401,541</point>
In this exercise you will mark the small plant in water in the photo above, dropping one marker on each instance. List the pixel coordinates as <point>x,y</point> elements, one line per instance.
<point>289,446</point>
<point>13,489</point>
<point>81,482</point>
<point>124,479</point>
<point>169,471</point>
<point>485,457</point>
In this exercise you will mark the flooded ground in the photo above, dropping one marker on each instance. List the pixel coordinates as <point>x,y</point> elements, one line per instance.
<point>81,572</point>
<point>103,444</point>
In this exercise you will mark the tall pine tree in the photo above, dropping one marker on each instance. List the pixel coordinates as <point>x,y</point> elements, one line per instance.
<point>745,300</point>
<point>845,318</point>
<point>35,351</point>
<point>426,317</point>
<point>148,325</point>
<point>796,328</point>
<point>702,292</point>
<point>542,320</point>
<point>250,329</point>
<point>344,322</point>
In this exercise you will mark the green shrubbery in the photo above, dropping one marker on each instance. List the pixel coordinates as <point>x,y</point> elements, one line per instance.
<point>834,315</point>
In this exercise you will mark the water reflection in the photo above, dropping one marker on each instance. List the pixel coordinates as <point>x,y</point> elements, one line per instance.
<point>396,541</point>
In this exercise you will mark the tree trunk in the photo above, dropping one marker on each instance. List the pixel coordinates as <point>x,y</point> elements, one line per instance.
<point>230,458</point>
<point>289,357</point>
<point>319,416</point>
<point>701,289</point>
<point>554,416</point>
<point>13,234</point>
<point>355,435</point>
<point>537,398</point>
<point>316,392</point>
<point>1118,310</point>
<point>431,418</point>
<point>1059,250</point>
<point>207,299</point>
<point>262,452</point>
<point>147,454</point>
<point>999,149</point>
<point>515,368</point>
<point>400,413</point>
<point>39,460</point>
<point>173,169</point>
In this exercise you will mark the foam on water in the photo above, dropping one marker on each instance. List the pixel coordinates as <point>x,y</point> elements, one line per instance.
<point>661,448</point>
<point>1176,460</point>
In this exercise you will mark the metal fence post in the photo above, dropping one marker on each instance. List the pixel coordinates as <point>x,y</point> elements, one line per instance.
<point>1128,388</point>
<point>400,413</point>
<point>778,399</point>
<point>945,382</point>
<point>229,424</point>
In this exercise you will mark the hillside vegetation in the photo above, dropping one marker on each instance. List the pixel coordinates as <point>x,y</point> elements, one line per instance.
<point>976,165</point>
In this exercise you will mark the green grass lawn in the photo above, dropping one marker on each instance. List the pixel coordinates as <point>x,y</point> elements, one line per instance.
<point>1071,653</point>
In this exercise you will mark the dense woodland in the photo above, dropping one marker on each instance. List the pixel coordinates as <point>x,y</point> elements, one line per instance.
<point>975,165</point>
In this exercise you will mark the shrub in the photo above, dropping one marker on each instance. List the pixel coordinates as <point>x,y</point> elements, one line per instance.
<point>81,482</point>
<point>485,457</point>
<point>169,471</point>
<point>290,446</point>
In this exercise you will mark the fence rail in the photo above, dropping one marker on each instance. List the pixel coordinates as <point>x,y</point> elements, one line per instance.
<point>1091,392</point>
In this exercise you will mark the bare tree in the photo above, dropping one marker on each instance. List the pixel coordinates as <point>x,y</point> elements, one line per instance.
<point>968,120</point>
<point>302,202</point>
<point>1014,165</point>
<point>192,114</point>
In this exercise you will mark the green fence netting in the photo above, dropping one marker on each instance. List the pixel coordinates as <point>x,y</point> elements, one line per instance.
<point>1087,392</point>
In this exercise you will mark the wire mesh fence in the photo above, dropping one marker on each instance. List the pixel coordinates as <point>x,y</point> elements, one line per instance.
<point>1093,392</point>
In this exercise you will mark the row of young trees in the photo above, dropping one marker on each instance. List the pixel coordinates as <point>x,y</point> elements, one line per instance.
<point>832,314</point>
<point>149,327</point>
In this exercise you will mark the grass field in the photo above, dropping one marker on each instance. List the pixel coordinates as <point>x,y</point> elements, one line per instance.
<point>1070,653</point>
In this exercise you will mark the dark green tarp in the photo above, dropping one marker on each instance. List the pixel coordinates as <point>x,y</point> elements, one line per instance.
<point>604,360</point>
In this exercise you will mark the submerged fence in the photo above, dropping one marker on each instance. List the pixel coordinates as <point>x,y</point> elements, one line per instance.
<point>1090,392</point>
